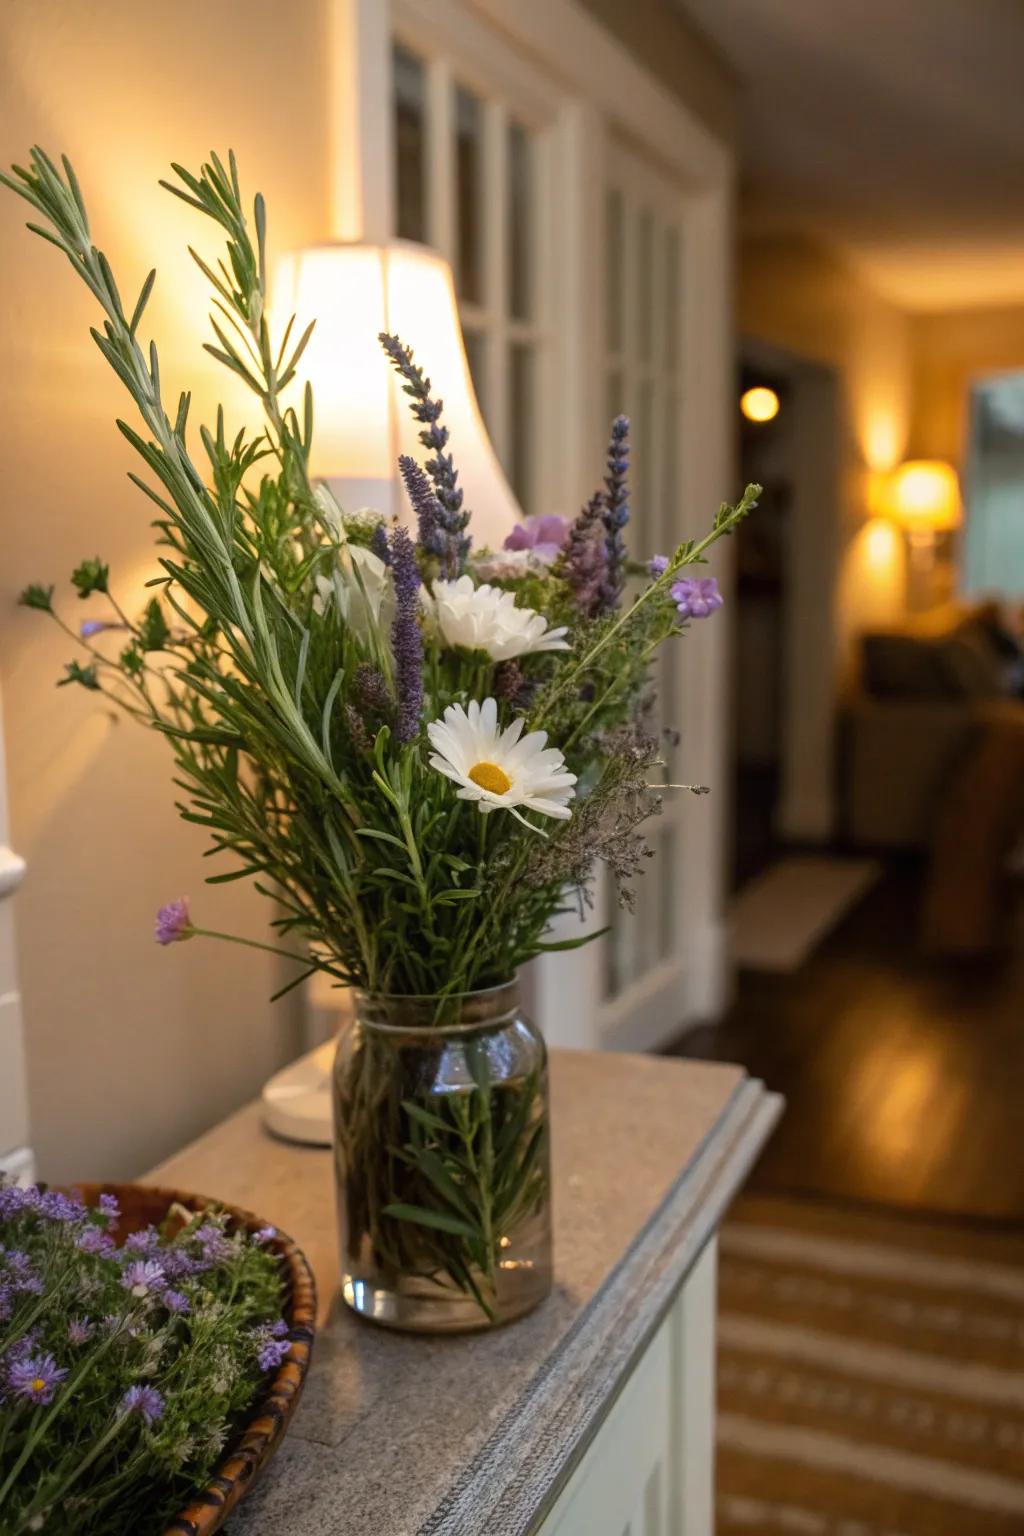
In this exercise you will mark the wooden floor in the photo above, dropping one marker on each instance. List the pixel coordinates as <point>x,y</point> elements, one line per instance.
<point>904,1078</point>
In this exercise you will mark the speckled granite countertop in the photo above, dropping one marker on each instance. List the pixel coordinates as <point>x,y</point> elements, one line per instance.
<point>400,1435</point>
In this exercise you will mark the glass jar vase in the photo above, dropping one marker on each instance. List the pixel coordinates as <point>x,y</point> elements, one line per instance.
<point>442,1161</point>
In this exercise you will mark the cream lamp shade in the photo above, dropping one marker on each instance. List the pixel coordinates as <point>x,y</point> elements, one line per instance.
<point>923,495</point>
<point>362,420</point>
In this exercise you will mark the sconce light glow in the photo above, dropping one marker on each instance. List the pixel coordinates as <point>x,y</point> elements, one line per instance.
<point>760,403</point>
<point>362,419</point>
<point>924,496</point>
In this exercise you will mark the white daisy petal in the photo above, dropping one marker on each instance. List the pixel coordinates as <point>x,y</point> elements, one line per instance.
<point>487,618</point>
<point>500,769</point>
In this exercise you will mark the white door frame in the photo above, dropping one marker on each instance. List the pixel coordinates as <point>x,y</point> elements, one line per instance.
<point>601,89</point>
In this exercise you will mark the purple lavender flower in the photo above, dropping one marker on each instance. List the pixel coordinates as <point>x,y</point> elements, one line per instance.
<point>440,467</point>
<point>143,1400</point>
<point>406,637</point>
<point>429,512</point>
<point>79,1331</point>
<point>616,511</point>
<point>95,1240</point>
<point>35,1378</point>
<point>175,1302</point>
<point>264,1235</point>
<point>379,543</point>
<point>173,923</point>
<point>696,597</point>
<point>544,535</point>
<point>583,561</point>
<point>143,1277</point>
<point>657,565</point>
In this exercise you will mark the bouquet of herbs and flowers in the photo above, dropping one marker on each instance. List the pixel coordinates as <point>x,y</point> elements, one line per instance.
<point>419,749</point>
<point>123,1369</point>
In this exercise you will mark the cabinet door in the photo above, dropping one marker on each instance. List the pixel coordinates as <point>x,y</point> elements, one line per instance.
<point>649,1471</point>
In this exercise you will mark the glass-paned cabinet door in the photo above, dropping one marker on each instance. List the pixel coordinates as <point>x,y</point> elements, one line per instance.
<point>468,179</point>
<point>642,350</point>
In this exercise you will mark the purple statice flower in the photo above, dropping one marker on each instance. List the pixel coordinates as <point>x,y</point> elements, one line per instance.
<point>145,1242</point>
<point>214,1245</point>
<point>173,923</point>
<point>143,1277</point>
<point>264,1235</point>
<point>79,1331</point>
<point>175,1302</point>
<point>406,637</point>
<point>143,1400</point>
<point>584,559</point>
<point>35,1378</point>
<point>439,467</point>
<point>543,535</point>
<point>657,565</point>
<point>696,597</point>
<point>55,1206</point>
<point>94,1240</point>
<point>430,531</point>
<point>616,511</point>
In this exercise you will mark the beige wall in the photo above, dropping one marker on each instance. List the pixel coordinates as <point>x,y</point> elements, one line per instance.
<point>130,1049</point>
<point>951,349</point>
<point>797,296</point>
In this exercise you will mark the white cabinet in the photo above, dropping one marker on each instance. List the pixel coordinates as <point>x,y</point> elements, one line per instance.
<point>649,1470</point>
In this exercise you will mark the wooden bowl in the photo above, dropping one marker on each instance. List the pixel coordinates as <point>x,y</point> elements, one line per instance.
<point>258,1438</point>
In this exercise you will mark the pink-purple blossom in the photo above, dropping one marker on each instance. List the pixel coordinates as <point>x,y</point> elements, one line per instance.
<point>95,1240</point>
<point>657,565</point>
<point>173,923</point>
<point>544,535</point>
<point>143,1277</point>
<point>35,1378</point>
<point>79,1331</point>
<point>696,597</point>
<point>143,1400</point>
<point>175,1302</point>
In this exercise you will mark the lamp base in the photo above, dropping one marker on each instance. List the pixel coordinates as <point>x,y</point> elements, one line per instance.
<point>296,1101</point>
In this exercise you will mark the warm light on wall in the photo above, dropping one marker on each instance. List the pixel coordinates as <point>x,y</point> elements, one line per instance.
<point>760,403</point>
<point>362,420</point>
<point>923,495</point>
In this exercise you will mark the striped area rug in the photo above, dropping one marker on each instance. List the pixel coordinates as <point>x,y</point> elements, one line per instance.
<point>871,1375</point>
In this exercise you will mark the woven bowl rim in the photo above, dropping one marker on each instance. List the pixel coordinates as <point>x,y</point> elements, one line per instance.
<point>264,1427</point>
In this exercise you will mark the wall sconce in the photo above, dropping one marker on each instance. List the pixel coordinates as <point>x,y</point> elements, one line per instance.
<point>923,496</point>
<point>362,420</point>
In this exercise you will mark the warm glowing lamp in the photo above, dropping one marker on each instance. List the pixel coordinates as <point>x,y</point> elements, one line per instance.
<point>362,419</point>
<point>760,403</point>
<point>923,495</point>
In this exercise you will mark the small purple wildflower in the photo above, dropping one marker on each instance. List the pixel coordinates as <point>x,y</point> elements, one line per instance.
<point>21,1273</point>
<point>696,597</point>
<point>79,1331</point>
<point>173,923</point>
<point>6,1301</point>
<point>35,1378</point>
<point>264,1235</point>
<point>273,1352</point>
<point>657,565</point>
<point>175,1302</point>
<point>55,1206</point>
<point>14,1200</point>
<point>109,1207</point>
<point>179,1265</point>
<point>544,535</point>
<point>95,1240</point>
<point>145,1242</point>
<point>143,1277</point>
<point>144,1400</point>
<point>212,1241</point>
<point>406,637</point>
<point>90,627</point>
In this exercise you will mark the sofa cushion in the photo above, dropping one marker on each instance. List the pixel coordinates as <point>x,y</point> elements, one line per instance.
<point>901,666</point>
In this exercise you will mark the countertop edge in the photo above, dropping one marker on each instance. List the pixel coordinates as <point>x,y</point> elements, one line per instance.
<point>516,1478</point>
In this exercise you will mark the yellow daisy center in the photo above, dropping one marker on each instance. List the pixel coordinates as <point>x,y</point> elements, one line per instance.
<point>490,777</point>
<point>38,1384</point>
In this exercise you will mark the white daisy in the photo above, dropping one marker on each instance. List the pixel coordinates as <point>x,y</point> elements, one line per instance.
<point>496,768</point>
<point>487,619</point>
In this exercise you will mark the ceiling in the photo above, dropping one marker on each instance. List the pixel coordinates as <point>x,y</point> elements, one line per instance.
<point>893,129</point>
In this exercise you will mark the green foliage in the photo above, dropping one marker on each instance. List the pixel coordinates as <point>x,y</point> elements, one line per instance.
<point>91,576</point>
<point>87,676</point>
<point>37,596</point>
